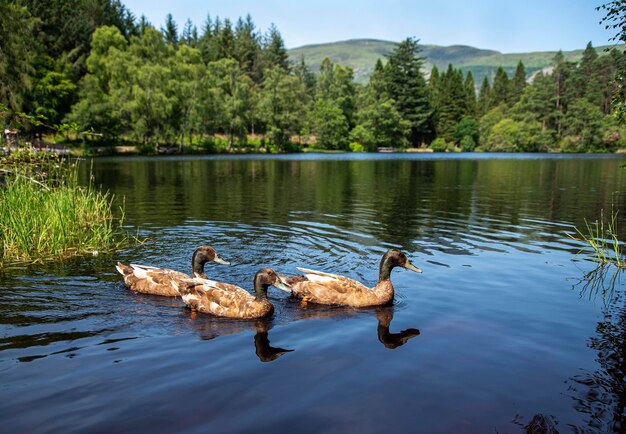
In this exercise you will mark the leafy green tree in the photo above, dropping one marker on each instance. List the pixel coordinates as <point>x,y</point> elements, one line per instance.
<point>282,105</point>
<point>407,87</point>
<point>17,52</point>
<point>96,109</point>
<point>615,18</point>
<point>150,104</point>
<point>488,121</point>
<point>329,125</point>
<point>583,127</point>
<point>187,72</point>
<point>233,92</point>
<point>53,91</point>
<point>335,83</point>
<point>513,136</point>
<point>538,103</point>
<point>467,133</point>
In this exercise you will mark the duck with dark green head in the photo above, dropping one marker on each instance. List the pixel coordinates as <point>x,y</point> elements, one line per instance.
<point>325,288</point>
<point>231,301</point>
<point>161,281</point>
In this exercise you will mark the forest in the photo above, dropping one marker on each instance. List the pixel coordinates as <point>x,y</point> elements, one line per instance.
<point>89,73</point>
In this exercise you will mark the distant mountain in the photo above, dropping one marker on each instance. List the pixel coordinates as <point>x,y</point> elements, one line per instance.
<point>361,56</point>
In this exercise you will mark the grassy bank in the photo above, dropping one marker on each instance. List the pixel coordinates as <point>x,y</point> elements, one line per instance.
<point>46,214</point>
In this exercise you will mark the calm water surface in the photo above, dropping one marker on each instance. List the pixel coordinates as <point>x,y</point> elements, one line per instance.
<point>507,329</point>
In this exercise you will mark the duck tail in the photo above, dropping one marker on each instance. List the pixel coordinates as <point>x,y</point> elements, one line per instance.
<point>124,270</point>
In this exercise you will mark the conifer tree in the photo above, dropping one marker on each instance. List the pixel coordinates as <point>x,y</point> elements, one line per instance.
<point>470,95</point>
<point>247,48</point>
<point>407,87</point>
<point>501,90</point>
<point>225,41</point>
<point>274,51</point>
<point>484,98</point>
<point>518,83</point>
<point>190,34</point>
<point>170,31</point>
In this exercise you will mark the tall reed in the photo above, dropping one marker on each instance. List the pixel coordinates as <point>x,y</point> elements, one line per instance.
<point>601,236</point>
<point>50,216</point>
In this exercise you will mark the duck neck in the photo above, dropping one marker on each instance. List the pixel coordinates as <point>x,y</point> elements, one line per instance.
<point>385,270</point>
<point>197,265</point>
<point>260,291</point>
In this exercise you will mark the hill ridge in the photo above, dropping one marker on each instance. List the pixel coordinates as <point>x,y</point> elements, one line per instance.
<point>361,54</point>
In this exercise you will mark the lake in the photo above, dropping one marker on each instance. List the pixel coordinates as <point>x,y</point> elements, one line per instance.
<point>509,328</point>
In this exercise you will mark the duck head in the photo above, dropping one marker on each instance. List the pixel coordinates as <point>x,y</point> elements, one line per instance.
<point>266,277</point>
<point>201,256</point>
<point>394,258</point>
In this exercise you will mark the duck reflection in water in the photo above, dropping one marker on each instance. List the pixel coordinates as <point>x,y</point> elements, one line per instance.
<point>384,315</point>
<point>388,339</point>
<point>210,328</point>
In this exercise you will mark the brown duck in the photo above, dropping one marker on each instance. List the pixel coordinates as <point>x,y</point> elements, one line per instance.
<point>231,301</point>
<point>161,281</point>
<point>326,288</point>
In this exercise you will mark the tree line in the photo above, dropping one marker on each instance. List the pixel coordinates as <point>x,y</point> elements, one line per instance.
<point>92,65</point>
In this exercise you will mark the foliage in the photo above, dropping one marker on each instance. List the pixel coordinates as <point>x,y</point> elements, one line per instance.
<point>407,87</point>
<point>439,145</point>
<point>601,236</point>
<point>46,214</point>
<point>468,128</point>
<point>121,80</point>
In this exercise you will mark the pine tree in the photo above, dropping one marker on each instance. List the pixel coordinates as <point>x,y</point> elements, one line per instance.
<point>247,48</point>
<point>274,51</point>
<point>501,90</point>
<point>470,95</point>
<point>190,34</point>
<point>170,31</point>
<point>518,83</point>
<point>452,103</point>
<point>225,41</point>
<point>484,98</point>
<point>407,87</point>
<point>306,76</point>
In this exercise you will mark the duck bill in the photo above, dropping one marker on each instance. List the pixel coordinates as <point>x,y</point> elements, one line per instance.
<point>220,260</point>
<point>281,283</point>
<point>412,267</point>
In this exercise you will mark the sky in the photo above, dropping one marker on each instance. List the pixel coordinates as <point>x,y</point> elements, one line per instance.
<point>509,26</point>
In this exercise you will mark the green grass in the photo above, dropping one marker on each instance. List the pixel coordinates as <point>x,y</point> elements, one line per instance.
<point>601,237</point>
<point>45,216</point>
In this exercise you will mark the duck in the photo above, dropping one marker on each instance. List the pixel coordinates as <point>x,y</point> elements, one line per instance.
<point>160,281</point>
<point>231,301</point>
<point>326,288</point>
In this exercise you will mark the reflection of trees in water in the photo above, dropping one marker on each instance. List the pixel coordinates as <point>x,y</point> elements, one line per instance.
<point>395,201</point>
<point>601,395</point>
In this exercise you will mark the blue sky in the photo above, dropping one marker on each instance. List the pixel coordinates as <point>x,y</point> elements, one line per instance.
<point>504,25</point>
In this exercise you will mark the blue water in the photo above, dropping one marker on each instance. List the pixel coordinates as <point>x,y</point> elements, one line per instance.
<point>514,331</point>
